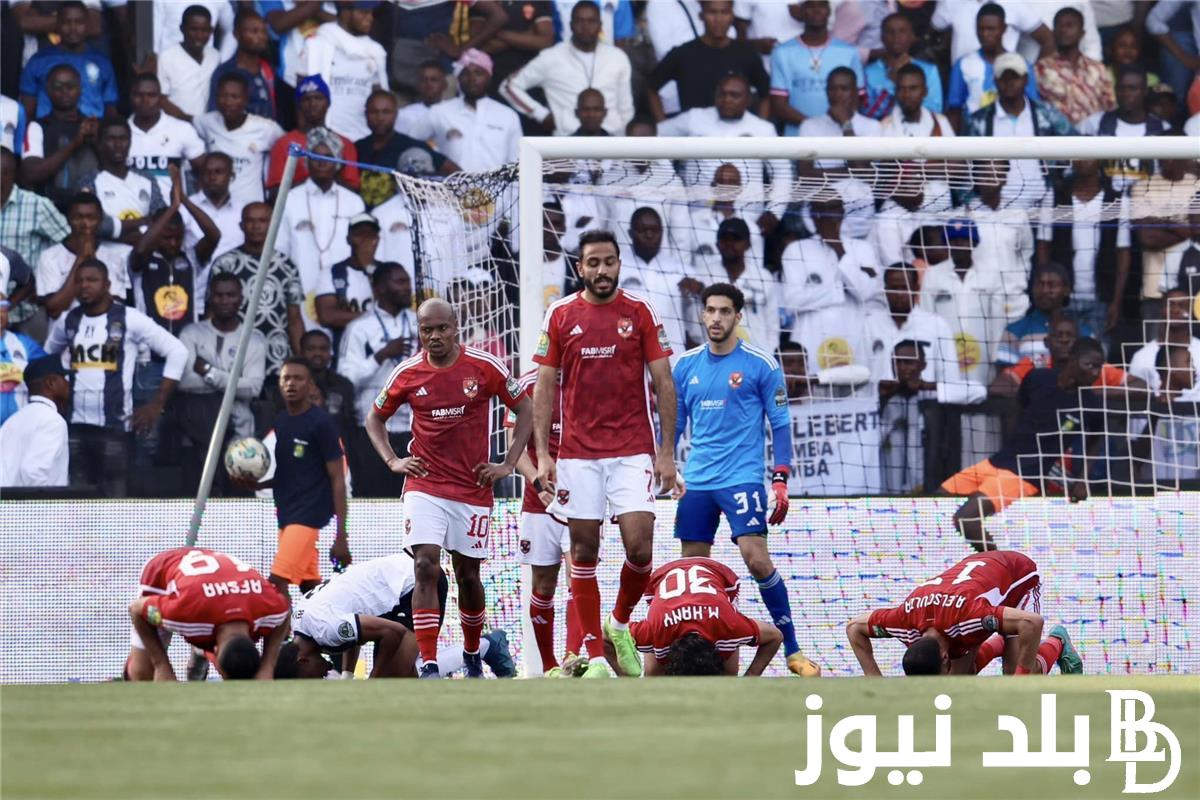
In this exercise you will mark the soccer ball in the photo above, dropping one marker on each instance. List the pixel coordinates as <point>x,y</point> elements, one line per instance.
<point>247,458</point>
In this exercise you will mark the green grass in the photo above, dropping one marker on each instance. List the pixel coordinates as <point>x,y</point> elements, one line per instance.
<point>541,739</point>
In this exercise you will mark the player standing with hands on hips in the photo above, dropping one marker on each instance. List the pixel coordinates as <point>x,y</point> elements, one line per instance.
<point>726,387</point>
<point>603,339</point>
<point>448,491</point>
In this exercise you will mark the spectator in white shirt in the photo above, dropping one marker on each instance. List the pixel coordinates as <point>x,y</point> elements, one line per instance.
<point>658,275</point>
<point>763,24</point>
<point>725,203</point>
<point>159,139</point>
<point>431,90</point>
<point>568,68</point>
<point>344,290</point>
<point>734,264</point>
<point>909,116</point>
<point>1173,331</point>
<point>215,200</point>
<point>730,116</point>
<point>472,130</point>
<point>352,64</point>
<point>56,266</point>
<point>841,118</point>
<point>33,442</point>
<point>372,346</point>
<point>1006,244</point>
<point>246,138</point>
<point>914,202</point>
<point>185,69</point>
<point>315,224</point>
<point>128,196</point>
<point>959,16</point>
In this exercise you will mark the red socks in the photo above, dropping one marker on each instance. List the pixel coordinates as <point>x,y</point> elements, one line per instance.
<point>574,630</point>
<point>634,578</point>
<point>587,606</point>
<point>990,650</point>
<point>1048,653</point>
<point>541,614</point>
<point>472,628</point>
<point>427,627</point>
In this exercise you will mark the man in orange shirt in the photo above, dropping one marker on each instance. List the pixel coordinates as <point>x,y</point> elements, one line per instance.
<point>1064,331</point>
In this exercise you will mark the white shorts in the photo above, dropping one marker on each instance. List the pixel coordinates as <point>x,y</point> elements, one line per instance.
<point>543,540</point>
<point>584,484</point>
<point>451,525</point>
<point>135,641</point>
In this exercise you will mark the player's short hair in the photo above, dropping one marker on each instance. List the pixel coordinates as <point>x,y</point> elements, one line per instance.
<point>84,199</point>
<point>224,277</point>
<point>990,10</point>
<point>843,72</point>
<point>923,657</point>
<point>598,237</point>
<point>692,654</point>
<point>1086,345</point>
<point>911,69</point>
<point>234,77</point>
<point>724,290</point>
<point>239,659</point>
<point>295,361</point>
<point>313,334</point>
<point>195,11</point>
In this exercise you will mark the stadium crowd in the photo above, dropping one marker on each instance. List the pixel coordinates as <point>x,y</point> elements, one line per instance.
<point>136,199</point>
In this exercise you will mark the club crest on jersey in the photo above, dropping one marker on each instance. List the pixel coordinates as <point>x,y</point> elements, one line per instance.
<point>470,388</point>
<point>781,400</point>
<point>407,527</point>
<point>346,630</point>
<point>564,496</point>
<point>525,546</point>
<point>625,327</point>
<point>735,380</point>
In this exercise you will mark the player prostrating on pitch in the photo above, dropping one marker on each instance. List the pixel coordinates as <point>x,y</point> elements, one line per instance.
<point>725,388</point>
<point>693,626</point>
<point>947,623</point>
<point>448,491</point>
<point>217,603</point>
<point>603,339</point>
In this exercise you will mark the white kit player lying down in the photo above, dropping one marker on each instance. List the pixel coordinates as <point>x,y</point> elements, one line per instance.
<point>372,602</point>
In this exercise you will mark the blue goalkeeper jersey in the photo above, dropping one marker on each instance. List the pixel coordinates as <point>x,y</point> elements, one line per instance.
<point>726,399</point>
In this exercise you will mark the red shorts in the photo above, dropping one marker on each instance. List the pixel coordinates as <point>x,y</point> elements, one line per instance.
<point>297,560</point>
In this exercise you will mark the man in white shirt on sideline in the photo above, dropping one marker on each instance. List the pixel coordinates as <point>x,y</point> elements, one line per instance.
<point>372,346</point>
<point>215,200</point>
<point>185,69</point>
<point>565,70</point>
<point>246,138</point>
<point>903,319</point>
<point>909,117</point>
<point>352,64</point>
<point>33,442</point>
<point>158,139</point>
<point>472,130</point>
<point>730,116</point>
<point>313,233</point>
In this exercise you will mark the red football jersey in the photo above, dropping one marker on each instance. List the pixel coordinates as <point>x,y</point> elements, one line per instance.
<point>192,590</point>
<point>532,503</point>
<point>693,595</point>
<point>451,418</point>
<point>603,351</point>
<point>966,602</point>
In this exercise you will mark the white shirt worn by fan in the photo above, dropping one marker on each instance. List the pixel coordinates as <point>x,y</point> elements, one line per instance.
<point>395,232</point>
<point>646,183</point>
<point>895,124</point>
<point>895,224</point>
<point>657,280</point>
<point>55,262</point>
<point>185,82</point>
<point>941,357</point>
<point>826,125</point>
<point>313,235</point>
<point>132,197</point>
<point>249,145</point>
<point>361,340</point>
<point>478,138</point>
<point>33,446</point>
<point>227,217</point>
<point>708,122</point>
<point>169,141</point>
<point>352,67</point>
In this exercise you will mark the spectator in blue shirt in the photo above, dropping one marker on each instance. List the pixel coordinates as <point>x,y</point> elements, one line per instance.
<point>1049,289</point>
<point>801,67</point>
<point>972,78</point>
<point>99,83</point>
<point>880,74</point>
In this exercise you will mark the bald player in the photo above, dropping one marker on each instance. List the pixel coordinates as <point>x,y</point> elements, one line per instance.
<point>448,488</point>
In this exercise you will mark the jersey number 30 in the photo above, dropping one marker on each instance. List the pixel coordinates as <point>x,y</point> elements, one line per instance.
<point>694,581</point>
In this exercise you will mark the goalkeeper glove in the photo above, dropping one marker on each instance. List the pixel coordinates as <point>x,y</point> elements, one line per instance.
<point>779,487</point>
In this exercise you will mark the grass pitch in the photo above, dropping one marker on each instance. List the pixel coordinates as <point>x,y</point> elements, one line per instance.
<point>544,739</point>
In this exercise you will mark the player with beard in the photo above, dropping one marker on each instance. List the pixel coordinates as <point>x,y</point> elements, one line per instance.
<point>725,388</point>
<point>448,489</point>
<point>603,339</point>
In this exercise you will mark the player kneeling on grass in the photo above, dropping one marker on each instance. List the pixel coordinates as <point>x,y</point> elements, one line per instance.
<point>693,626</point>
<point>950,623</point>
<point>725,389</point>
<point>217,603</point>
<point>372,602</point>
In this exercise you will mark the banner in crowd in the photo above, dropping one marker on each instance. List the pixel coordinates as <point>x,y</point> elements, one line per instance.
<point>1119,573</point>
<point>835,447</point>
